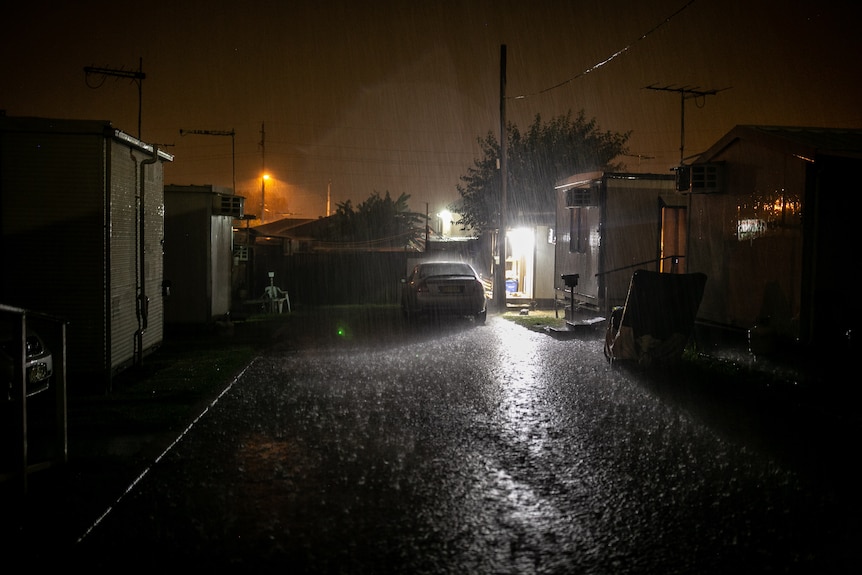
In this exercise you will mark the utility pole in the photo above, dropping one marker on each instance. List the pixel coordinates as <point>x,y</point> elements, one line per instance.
<point>427,225</point>
<point>137,77</point>
<point>500,269</point>
<point>262,174</point>
<point>685,93</point>
<point>232,135</point>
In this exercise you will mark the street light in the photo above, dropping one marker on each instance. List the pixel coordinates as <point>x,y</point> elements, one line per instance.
<point>263,197</point>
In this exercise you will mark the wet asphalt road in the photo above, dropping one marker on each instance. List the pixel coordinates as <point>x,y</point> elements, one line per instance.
<point>454,448</point>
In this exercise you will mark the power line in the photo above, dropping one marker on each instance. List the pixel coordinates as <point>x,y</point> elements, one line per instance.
<point>611,57</point>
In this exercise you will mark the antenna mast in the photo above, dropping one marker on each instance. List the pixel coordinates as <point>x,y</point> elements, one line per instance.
<point>685,93</point>
<point>232,135</point>
<point>138,78</point>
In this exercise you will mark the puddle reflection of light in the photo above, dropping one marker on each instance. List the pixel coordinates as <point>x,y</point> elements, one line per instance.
<point>505,481</point>
<point>518,368</point>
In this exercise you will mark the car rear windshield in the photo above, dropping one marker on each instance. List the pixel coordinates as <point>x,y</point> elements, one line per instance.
<point>446,269</point>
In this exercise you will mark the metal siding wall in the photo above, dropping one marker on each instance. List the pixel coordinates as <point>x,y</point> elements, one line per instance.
<point>126,181</point>
<point>154,253</point>
<point>186,260</point>
<point>198,256</point>
<point>544,280</point>
<point>744,275</point>
<point>585,264</point>
<point>54,186</point>
<point>631,234</point>
<point>222,232</point>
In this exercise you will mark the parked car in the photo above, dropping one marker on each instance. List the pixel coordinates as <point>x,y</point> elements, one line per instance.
<point>39,363</point>
<point>444,288</point>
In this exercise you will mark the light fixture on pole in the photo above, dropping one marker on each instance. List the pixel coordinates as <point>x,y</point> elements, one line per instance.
<point>263,180</point>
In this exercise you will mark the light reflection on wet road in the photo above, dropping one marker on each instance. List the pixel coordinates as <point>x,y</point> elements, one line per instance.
<point>466,449</point>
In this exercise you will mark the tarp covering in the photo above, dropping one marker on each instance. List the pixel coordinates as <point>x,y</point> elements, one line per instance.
<point>657,320</point>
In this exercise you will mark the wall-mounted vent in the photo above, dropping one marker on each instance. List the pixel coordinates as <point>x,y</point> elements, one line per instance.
<point>706,179</point>
<point>233,206</point>
<point>580,197</point>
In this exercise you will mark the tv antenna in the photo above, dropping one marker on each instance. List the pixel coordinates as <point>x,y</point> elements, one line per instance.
<point>685,93</point>
<point>137,76</point>
<point>232,135</point>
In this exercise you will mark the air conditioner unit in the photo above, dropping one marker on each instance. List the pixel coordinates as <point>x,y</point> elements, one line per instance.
<point>233,206</point>
<point>683,178</point>
<point>581,197</point>
<point>707,179</point>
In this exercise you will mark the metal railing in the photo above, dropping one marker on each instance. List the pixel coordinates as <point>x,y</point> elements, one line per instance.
<point>570,290</point>
<point>656,261</point>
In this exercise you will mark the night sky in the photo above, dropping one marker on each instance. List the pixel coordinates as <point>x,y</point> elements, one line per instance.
<point>390,96</point>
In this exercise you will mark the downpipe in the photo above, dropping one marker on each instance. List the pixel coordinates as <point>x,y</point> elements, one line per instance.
<point>142,300</point>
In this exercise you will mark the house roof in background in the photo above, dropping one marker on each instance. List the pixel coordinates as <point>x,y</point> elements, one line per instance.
<point>289,227</point>
<point>808,142</point>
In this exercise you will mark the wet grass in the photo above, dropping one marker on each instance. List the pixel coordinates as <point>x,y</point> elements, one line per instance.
<point>536,319</point>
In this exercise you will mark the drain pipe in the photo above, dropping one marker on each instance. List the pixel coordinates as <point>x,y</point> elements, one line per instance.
<point>142,299</point>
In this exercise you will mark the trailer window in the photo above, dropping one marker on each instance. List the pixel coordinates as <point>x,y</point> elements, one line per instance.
<point>578,230</point>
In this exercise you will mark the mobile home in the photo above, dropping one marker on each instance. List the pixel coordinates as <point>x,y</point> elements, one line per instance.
<point>773,227</point>
<point>199,252</point>
<point>81,231</point>
<point>610,224</point>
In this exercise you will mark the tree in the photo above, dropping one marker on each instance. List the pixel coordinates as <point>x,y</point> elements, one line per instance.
<point>379,221</point>
<point>537,159</point>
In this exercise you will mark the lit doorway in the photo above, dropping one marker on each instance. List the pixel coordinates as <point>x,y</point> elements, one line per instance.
<point>520,263</point>
<point>673,239</point>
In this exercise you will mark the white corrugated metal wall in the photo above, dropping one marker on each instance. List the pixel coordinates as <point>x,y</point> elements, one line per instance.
<point>222,236</point>
<point>125,264</point>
